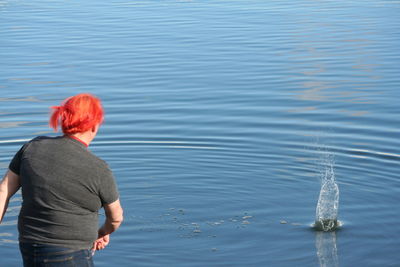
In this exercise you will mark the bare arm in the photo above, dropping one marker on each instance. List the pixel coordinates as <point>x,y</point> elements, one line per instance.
<point>8,187</point>
<point>114,218</point>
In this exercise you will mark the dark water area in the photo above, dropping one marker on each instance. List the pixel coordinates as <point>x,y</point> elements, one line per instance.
<point>219,115</point>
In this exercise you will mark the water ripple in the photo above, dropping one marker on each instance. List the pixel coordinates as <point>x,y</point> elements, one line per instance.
<point>221,109</point>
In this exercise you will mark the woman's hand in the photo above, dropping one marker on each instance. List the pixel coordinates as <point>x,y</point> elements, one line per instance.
<point>101,242</point>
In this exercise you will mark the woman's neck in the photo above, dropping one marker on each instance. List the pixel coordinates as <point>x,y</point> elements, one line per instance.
<point>85,137</point>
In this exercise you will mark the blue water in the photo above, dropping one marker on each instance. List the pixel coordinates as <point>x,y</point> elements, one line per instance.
<point>219,115</point>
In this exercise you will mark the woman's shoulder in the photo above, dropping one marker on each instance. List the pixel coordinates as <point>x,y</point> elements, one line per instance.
<point>97,162</point>
<point>35,140</point>
<point>45,138</point>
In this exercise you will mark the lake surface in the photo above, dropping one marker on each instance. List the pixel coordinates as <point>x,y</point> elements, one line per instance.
<point>220,116</point>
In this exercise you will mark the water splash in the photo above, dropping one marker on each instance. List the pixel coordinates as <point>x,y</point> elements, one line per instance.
<point>328,201</point>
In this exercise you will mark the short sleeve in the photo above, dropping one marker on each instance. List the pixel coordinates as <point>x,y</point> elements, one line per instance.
<point>15,163</point>
<point>108,188</point>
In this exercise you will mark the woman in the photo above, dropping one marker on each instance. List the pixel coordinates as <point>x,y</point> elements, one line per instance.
<point>63,187</point>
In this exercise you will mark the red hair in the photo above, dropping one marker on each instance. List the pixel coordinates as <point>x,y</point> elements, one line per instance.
<point>77,114</point>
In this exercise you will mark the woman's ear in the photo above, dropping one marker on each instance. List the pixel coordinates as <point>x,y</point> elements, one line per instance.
<point>95,128</point>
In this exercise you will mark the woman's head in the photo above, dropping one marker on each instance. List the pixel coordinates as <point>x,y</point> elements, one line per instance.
<point>77,114</point>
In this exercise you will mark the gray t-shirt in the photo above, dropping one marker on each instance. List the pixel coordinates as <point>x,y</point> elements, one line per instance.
<point>63,187</point>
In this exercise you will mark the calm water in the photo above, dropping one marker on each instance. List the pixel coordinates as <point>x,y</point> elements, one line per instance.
<point>220,115</point>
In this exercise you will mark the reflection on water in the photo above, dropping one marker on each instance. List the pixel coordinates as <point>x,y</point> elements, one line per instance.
<point>5,234</point>
<point>325,242</point>
<point>8,241</point>
<point>11,222</point>
<point>16,141</point>
<point>23,99</point>
<point>339,75</point>
<point>12,124</point>
<point>314,91</point>
<point>4,238</point>
<point>36,64</point>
